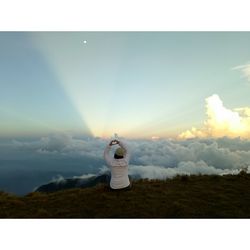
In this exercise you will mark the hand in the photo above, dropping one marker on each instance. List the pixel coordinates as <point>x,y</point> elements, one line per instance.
<point>113,142</point>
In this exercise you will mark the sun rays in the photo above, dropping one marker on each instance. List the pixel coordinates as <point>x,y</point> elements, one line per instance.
<point>112,84</point>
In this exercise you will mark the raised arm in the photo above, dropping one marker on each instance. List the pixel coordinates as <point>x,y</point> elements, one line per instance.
<point>107,157</point>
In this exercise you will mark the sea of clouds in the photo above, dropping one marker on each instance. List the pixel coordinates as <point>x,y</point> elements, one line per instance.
<point>149,158</point>
<point>196,155</point>
<point>67,156</point>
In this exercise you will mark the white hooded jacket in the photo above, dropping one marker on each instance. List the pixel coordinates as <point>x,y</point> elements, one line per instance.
<point>119,168</point>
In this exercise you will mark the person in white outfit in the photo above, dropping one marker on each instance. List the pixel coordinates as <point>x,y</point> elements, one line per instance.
<point>118,165</point>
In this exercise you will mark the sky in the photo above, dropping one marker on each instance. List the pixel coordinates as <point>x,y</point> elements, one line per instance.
<point>136,84</point>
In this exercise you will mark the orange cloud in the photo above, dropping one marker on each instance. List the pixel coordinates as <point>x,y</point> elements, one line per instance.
<point>221,121</point>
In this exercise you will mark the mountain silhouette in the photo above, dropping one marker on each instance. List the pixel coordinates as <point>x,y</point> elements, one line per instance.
<point>73,183</point>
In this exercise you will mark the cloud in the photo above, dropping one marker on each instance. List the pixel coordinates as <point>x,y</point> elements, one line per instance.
<point>59,179</point>
<point>63,144</point>
<point>221,121</point>
<point>63,156</point>
<point>167,158</point>
<point>170,153</point>
<point>55,143</point>
<point>184,168</point>
<point>245,70</point>
<point>221,153</point>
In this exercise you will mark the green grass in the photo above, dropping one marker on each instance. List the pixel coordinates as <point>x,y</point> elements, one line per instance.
<point>182,197</point>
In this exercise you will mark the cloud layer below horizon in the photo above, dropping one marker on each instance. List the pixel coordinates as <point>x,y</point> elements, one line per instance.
<point>153,159</point>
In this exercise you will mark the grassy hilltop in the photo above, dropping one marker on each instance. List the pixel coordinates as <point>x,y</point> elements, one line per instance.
<point>182,197</point>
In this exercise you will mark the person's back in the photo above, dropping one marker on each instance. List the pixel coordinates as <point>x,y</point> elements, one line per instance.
<point>118,165</point>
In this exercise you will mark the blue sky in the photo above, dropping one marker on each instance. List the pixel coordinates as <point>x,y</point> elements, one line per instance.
<point>136,84</point>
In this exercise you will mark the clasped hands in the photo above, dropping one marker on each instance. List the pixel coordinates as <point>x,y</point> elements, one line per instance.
<point>113,142</point>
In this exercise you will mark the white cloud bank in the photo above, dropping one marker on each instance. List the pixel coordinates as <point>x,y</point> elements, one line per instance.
<point>160,159</point>
<point>184,168</point>
<point>153,159</point>
<point>221,121</point>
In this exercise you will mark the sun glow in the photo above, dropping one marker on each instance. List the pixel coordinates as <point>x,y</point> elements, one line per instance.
<point>104,104</point>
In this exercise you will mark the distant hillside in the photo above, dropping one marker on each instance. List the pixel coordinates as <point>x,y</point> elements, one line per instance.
<point>70,183</point>
<point>182,197</point>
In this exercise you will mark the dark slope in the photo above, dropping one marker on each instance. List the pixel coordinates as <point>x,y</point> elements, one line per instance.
<point>182,197</point>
